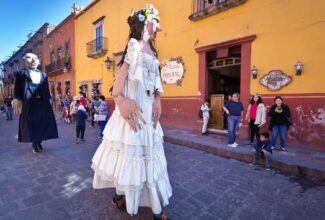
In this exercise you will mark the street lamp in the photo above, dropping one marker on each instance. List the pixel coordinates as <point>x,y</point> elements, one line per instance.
<point>299,66</point>
<point>254,72</point>
<point>109,63</point>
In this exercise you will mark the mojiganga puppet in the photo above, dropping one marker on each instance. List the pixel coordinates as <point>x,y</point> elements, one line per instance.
<point>32,100</point>
<point>131,156</point>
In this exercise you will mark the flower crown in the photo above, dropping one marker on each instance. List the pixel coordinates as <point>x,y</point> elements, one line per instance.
<point>148,14</point>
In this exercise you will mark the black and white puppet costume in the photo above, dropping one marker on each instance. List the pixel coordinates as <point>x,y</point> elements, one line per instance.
<point>37,120</point>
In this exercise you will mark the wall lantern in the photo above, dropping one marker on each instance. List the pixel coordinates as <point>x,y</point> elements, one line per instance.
<point>254,72</point>
<point>109,63</point>
<point>299,66</point>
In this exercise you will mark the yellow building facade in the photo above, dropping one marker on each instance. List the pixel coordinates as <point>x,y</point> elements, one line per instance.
<point>219,42</point>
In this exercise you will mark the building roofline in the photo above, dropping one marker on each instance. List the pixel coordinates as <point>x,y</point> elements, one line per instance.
<point>87,8</point>
<point>61,24</point>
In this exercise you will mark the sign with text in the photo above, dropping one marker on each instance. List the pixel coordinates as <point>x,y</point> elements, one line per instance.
<point>172,71</point>
<point>275,80</point>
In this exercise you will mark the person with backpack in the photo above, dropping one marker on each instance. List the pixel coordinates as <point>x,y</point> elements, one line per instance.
<point>81,117</point>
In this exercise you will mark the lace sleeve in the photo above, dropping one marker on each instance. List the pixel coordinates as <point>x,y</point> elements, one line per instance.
<point>131,56</point>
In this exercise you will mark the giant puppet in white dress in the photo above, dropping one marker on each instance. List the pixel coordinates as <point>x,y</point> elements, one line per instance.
<point>132,161</point>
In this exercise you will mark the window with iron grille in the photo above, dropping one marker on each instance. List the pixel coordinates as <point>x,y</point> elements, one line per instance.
<point>205,8</point>
<point>97,47</point>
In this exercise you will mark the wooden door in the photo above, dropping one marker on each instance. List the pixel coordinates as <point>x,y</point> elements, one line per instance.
<point>217,102</point>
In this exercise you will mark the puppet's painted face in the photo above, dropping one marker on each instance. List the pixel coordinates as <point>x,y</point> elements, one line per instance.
<point>153,27</point>
<point>31,61</point>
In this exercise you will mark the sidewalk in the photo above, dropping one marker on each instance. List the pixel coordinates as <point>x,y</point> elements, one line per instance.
<point>295,160</point>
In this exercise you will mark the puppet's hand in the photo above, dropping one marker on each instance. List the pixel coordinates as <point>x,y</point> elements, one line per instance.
<point>156,111</point>
<point>17,105</point>
<point>130,111</point>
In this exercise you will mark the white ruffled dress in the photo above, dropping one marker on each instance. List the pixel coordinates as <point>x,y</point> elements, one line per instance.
<point>134,162</point>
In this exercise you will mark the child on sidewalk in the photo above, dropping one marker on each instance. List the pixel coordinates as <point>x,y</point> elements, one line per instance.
<point>263,148</point>
<point>206,115</point>
<point>81,117</point>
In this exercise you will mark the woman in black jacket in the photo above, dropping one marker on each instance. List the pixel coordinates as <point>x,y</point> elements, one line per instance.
<point>280,121</point>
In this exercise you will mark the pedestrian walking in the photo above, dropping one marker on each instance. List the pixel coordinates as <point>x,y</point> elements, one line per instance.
<point>74,108</point>
<point>83,100</point>
<point>9,109</point>
<point>66,115</point>
<point>94,105</point>
<point>66,101</point>
<point>81,117</point>
<point>102,114</point>
<point>59,103</point>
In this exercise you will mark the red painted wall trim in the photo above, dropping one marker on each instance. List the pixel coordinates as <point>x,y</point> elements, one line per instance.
<point>179,97</point>
<point>226,43</point>
<point>245,72</point>
<point>297,95</point>
<point>203,73</point>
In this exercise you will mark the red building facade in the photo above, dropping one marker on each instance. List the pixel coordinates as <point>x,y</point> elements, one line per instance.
<point>58,56</point>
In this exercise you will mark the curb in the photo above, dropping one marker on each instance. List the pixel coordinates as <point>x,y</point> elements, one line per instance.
<point>245,156</point>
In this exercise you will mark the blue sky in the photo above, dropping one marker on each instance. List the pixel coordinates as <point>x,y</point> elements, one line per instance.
<point>19,17</point>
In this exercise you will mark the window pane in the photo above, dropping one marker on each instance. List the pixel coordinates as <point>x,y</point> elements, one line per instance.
<point>99,31</point>
<point>99,37</point>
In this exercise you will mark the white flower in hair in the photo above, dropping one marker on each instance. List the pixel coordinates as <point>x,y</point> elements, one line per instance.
<point>151,12</point>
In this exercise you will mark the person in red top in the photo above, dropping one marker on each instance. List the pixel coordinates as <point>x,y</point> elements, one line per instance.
<point>83,100</point>
<point>255,116</point>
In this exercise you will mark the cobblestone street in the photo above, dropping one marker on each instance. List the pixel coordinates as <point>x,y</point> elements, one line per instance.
<point>57,184</point>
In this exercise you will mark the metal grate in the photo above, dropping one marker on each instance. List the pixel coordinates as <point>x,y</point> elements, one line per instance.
<point>56,66</point>
<point>97,48</point>
<point>205,8</point>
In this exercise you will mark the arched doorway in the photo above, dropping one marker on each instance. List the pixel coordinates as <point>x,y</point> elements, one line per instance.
<point>224,68</point>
